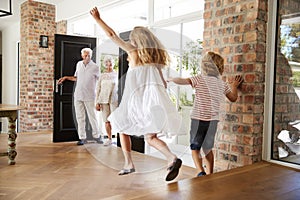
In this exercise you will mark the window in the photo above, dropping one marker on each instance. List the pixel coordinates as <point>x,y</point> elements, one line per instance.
<point>178,24</point>
<point>286,112</point>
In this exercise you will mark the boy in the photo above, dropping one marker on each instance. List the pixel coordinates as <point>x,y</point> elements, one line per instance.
<point>205,114</point>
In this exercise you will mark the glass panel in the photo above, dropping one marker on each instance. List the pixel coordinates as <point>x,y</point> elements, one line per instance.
<point>192,47</point>
<point>190,66</point>
<point>170,38</point>
<point>174,8</point>
<point>184,44</point>
<point>286,122</point>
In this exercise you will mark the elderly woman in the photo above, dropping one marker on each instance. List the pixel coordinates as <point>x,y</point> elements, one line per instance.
<point>107,98</point>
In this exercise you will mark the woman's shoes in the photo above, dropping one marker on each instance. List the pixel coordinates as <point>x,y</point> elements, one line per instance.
<point>126,171</point>
<point>107,142</point>
<point>173,170</point>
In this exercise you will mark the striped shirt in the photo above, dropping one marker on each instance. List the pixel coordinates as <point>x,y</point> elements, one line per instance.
<point>209,95</point>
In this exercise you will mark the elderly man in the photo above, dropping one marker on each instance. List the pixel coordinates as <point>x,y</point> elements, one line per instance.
<point>86,76</point>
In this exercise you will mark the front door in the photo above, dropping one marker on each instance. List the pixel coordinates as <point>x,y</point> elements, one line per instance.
<point>67,54</point>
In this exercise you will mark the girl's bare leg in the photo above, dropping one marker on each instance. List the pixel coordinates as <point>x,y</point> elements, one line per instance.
<point>174,163</point>
<point>161,146</point>
<point>126,148</point>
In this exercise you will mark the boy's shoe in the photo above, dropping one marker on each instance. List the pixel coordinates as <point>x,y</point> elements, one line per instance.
<point>98,140</point>
<point>107,142</point>
<point>81,142</point>
<point>201,174</point>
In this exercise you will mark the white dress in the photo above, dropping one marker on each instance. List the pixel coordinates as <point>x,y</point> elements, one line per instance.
<point>145,106</point>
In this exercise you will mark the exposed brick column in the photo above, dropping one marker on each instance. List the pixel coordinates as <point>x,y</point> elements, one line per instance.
<point>36,66</point>
<point>61,27</point>
<point>237,31</point>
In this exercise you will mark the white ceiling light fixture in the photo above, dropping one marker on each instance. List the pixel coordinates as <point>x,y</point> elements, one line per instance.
<point>5,8</point>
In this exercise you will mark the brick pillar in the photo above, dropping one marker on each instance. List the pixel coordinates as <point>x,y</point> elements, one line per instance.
<point>36,66</point>
<point>237,31</point>
<point>61,27</point>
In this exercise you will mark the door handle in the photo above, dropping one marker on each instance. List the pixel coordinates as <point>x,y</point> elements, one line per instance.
<point>57,86</point>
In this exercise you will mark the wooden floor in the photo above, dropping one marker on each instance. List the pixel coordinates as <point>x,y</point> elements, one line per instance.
<point>64,171</point>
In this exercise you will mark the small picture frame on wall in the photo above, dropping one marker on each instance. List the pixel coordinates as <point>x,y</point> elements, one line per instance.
<point>44,41</point>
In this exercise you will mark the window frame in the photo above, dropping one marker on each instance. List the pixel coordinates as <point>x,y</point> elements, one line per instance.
<point>270,76</point>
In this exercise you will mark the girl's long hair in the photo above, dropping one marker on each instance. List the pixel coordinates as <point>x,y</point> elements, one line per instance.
<point>150,50</point>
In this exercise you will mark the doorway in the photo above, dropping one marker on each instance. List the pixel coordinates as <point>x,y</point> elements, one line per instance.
<point>1,88</point>
<point>67,54</point>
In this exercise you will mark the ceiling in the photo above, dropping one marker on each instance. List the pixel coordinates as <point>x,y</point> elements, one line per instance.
<point>7,20</point>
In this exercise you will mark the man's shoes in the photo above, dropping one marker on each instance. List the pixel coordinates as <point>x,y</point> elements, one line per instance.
<point>81,142</point>
<point>98,140</point>
<point>107,142</point>
<point>201,174</point>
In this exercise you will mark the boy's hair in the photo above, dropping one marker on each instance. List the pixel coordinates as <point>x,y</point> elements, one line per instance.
<point>87,50</point>
<point>150,50</point>
<point>218,60</point>
<point>212,64</point>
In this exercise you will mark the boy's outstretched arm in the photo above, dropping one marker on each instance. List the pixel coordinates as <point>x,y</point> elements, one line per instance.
<point>180,81</point>
<point>232,96</point>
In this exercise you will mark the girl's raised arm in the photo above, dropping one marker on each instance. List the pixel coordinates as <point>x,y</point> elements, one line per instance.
<point>126,46</point>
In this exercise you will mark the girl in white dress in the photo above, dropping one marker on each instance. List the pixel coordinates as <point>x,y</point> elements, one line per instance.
<point>146,108</point>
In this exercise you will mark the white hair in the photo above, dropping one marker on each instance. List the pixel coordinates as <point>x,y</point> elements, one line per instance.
<point>108,58</point>
<point>90,51</point>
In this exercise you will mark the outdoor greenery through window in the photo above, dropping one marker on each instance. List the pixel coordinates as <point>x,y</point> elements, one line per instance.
<point>185,47</point>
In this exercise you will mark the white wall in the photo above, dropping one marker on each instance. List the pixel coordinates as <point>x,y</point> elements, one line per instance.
<point>10,38</point>
<point>68,9</point>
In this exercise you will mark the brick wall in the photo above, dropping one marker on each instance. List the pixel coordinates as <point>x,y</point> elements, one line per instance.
<point>36,66</point>
<point>237,30</point>
<point>61,27</point>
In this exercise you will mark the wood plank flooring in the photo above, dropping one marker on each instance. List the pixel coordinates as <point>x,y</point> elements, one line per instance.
<point>63,171</point>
